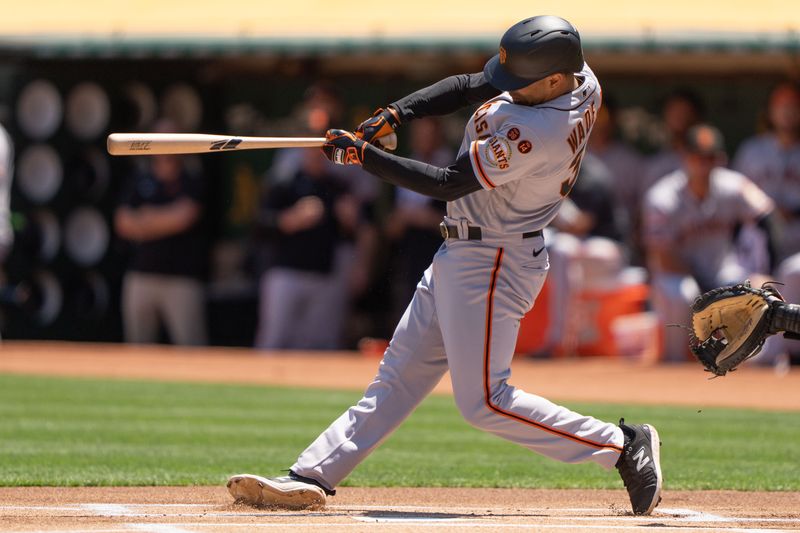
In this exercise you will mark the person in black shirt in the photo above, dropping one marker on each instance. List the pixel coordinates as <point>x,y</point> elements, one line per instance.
<point>304,218</point>
<point>412,227</point>
<point>161,214</point>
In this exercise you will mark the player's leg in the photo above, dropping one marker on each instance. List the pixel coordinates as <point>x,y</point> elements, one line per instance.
<point>413,364</point>
<point>184,306</point>
<point>280,294</point>
<point>140,296</point>
<point>671,295</point>
<point>482,294</point>
<point>411,367</point>
<point>326,310</point>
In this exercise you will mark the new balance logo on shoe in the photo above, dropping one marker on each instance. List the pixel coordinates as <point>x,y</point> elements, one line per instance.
<point>641,459</point>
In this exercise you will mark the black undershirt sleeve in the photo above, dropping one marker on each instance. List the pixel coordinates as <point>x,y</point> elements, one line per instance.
<point>445,96</point>
<point>445,184</point>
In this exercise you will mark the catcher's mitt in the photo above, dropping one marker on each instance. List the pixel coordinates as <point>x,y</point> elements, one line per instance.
<point>731,323</point>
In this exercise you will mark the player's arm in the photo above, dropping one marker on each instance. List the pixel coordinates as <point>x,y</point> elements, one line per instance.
<point>665,260</point>
<point>446,184</point>
<point>283,213</point>
<point>441,98</point>
<point>769,224</point>
<point>758,208</point>
<point>148,223</point>
<point>445,97</point>
<point>661,238</point>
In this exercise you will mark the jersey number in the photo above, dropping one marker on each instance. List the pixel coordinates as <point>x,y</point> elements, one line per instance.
<point>574,167</point>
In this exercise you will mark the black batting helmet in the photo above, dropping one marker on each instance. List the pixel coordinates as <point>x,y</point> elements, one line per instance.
<point>533,49</point>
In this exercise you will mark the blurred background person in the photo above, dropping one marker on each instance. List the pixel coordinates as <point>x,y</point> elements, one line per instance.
<point>6,175</point>
<point>625,166</point>
<point>161,214</point>
<point>772,161</point>
<point>412,225</point>
<point>680,110</point>
<point>320,109</point>
<point>305,218</point>
<point>587,251</point>
<point>690,219</point>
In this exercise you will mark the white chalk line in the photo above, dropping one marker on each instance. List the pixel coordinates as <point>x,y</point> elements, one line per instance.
<point>477,525</point>
<point>126,530</point>
<point>126,511</point>
<point>175,528</point>
<point>107,509</point>
<point>157,528</point>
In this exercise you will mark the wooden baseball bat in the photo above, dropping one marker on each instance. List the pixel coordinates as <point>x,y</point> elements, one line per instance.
<point>197,143</point>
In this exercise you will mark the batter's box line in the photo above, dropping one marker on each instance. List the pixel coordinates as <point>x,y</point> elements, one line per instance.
<point>701,516</point>
<point>449,524</point>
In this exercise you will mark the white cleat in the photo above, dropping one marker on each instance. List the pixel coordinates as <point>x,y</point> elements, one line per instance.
<point>284,492</point>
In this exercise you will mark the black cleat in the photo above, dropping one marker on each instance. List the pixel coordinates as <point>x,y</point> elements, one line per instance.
<point>640,467</point>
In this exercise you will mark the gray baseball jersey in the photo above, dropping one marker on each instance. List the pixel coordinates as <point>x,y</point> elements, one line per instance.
<point>465,314</point>
<point>777,171</point>
<point>701,231</point>
<point>526,158</point>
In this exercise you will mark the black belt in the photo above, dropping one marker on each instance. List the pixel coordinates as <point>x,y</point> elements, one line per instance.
<point>474,232</point>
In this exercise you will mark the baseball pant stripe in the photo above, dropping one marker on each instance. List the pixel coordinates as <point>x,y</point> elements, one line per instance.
<point>498,261</point>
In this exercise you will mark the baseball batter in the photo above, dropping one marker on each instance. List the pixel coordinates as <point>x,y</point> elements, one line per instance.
<point>520,157</point>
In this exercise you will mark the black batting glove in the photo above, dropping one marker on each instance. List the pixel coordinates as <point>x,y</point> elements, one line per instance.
<point>343,147</point>
<point>382,123</point>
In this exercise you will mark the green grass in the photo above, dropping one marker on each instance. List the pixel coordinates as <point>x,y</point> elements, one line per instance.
<point>58,431</point>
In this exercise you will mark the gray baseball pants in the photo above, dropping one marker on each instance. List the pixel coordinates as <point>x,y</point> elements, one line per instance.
<point>464,316</point>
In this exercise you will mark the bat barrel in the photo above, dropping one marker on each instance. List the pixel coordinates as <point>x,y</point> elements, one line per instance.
<point>197,143</point>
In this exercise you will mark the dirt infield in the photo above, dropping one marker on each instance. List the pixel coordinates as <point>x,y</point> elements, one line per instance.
<point>209,509</point>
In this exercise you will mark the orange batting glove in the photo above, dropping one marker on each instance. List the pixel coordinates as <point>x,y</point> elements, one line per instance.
<point>343,147</point>
<point>381,124</point>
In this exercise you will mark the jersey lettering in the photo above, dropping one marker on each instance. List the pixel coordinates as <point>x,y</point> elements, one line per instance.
<point>574,167</point>
<point>525,158</point>
<point>500,149</point>
<point>579,133</point>
<point>479,120</point>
